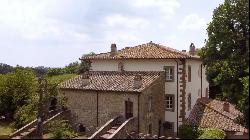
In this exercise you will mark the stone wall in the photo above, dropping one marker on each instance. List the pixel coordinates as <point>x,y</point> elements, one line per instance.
<point>85,110</point>
<point>157,113</point>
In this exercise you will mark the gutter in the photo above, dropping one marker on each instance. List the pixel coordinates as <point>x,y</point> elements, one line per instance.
<point>177,88</point>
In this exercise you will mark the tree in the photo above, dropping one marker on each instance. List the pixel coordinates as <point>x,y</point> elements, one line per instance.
<point>4,68</point>
<point>226,53</point>
<point>85,64</point>
<point>16,89</point>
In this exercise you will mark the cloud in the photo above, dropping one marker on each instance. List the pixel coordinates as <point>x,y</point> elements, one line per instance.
<point>166,7</point>
<point>118,20</point>
<point>28,20</point>
<point>192,22</point>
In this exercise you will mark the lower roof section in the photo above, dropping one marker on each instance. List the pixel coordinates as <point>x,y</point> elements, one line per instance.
<point>127,81</point>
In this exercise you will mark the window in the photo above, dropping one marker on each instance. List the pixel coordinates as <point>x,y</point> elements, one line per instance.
<point>189,73</point>
<point>150,128</point>
<point>168,125</point>
<point>169,102</point>
<point>189,101</point>
<point>206,92</point>
<point>150,104</point>
<point>120,67</point>
<point>169,70</point>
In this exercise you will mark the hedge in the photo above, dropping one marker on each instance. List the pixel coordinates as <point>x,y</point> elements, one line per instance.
<point>189,132</point>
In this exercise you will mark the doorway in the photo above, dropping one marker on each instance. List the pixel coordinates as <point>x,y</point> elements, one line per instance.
<point>128,109</point>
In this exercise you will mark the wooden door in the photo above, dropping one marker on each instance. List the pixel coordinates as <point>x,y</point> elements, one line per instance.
<point>128,109</point>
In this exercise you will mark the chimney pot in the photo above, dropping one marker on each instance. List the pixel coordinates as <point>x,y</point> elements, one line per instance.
<point>113,50</point>
<point>226,106</point>
<point>85,79</point>
<point>192,49</point>
<point>137,81</point>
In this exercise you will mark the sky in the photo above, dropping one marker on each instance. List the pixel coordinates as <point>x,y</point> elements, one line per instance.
<point>54,33</point>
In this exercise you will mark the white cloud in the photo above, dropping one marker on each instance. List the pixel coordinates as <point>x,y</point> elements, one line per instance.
<point>118,20</point>
<point>28,20</point>
<point>192,22</point>
<point>166,7</point>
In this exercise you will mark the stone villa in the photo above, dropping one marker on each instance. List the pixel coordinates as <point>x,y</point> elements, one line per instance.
<point>150,88</point>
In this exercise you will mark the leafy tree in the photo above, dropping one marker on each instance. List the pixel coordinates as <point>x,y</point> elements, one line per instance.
<point>72,68</point>
<point>4,68</point>
<point>226,53</point>
<point>16,89</point>
<point>25,114</point>
<point>40,70</point>
<point>85,64</point>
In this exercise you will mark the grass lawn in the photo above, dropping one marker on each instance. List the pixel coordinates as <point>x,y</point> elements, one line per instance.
<point>5,128</point>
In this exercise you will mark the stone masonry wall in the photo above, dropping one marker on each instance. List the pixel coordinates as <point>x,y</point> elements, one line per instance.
<point>83,106</point>
<point>182,72</point>
<point>157,91</point>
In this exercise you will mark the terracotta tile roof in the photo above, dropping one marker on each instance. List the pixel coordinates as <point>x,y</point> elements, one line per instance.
<point>111,81</point>
<point>144,51</point>
<point>209,113</point>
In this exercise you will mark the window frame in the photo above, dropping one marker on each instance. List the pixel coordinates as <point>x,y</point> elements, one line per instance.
<point>189,73</point>
<point>189,101</point>
<point>173,73</point>
<point>173,102</point>
<point>150,103</point>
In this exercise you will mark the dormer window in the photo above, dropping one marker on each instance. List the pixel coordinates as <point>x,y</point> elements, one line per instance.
<point>120,67</point>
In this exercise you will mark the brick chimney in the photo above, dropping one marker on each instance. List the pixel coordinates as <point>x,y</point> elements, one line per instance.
<point>113,50</point>
<point>85,79</point>
<point>192,49</point>
<point>226,106</point>
<point>137,81</point>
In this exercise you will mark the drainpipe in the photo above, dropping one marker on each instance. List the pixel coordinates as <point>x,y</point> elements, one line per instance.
<point>138,112</point>
<point>201,80</point>
<point>97,109</point>
<point>177,88</point>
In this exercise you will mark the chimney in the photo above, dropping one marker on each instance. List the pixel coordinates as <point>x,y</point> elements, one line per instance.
<point>183,50</point>
<point>85,79</point>
<point>113,50</point>
<point>137,81</point>
<point>192,49</point>
<point>226,106</point>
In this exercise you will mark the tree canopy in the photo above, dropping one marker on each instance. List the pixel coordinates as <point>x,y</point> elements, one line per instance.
<point>226,53</point>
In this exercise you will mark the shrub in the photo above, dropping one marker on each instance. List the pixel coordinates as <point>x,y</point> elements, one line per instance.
<point>189,132</point>
<point>212,133</point>
<point>61,129</point>
<point>24,115</point>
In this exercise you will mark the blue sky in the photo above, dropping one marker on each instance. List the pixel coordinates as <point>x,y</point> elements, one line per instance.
<point>56,32</point>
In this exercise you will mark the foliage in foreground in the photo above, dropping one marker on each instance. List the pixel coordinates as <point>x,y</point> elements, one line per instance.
<point>17,89</point>
<point>61,129</point>
<point>189,132</point>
